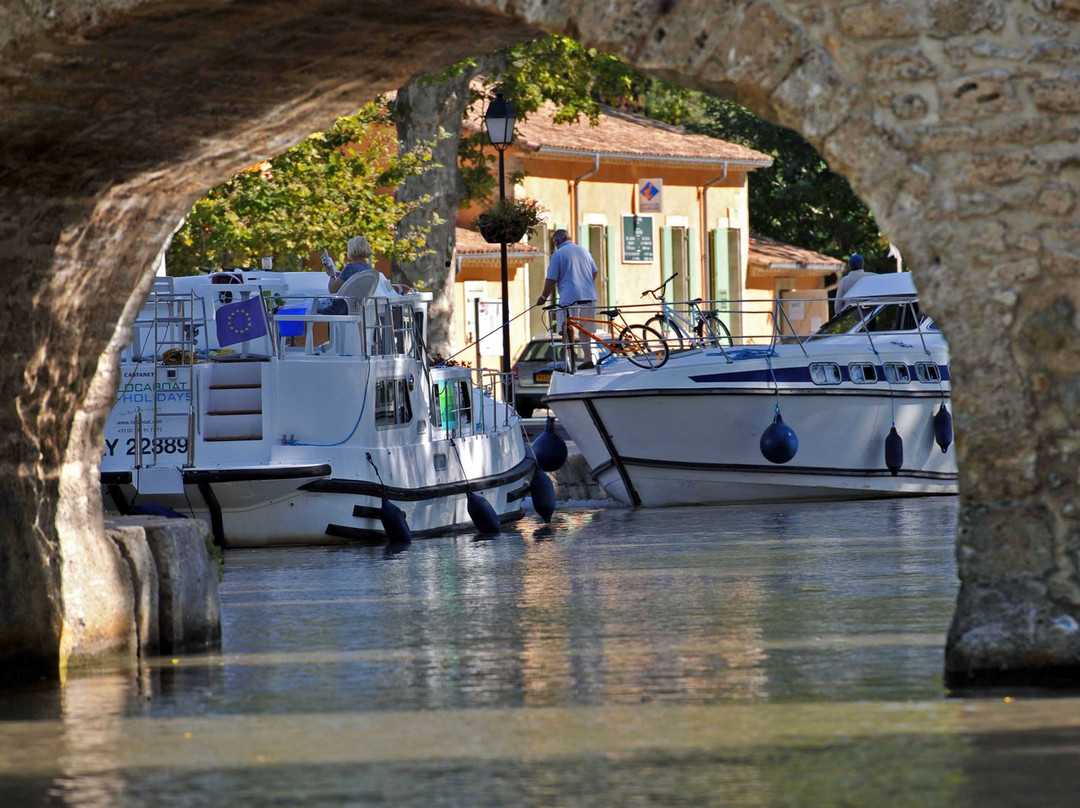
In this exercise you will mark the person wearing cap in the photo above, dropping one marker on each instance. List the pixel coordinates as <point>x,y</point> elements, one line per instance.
<point>854,274</point>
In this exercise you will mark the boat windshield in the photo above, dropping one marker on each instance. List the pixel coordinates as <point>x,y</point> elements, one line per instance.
<point>901,316</point>
<point>842,323</point>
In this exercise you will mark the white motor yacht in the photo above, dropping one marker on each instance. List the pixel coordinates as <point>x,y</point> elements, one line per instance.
<point>241,404</point>
<point>857,409</point>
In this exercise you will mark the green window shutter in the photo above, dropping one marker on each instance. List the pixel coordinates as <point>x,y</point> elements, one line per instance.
<point>734,253</point>
<point>583,236</point>
<point>694,263</point>
<point>666,263</point>
<point>612,244</point>
<point>721,290</point>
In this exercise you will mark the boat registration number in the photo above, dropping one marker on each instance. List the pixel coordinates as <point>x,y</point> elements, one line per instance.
<point>542,376</point>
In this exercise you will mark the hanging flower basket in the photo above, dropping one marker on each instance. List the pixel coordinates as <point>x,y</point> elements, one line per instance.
<point>509,220</point>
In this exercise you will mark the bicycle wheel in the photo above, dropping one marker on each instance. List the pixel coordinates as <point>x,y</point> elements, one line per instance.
<point>711,329</point>
<point>643,346</point>
<point>669,329</point>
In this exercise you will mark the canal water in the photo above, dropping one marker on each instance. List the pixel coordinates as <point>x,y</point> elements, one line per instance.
<point>784,655</point>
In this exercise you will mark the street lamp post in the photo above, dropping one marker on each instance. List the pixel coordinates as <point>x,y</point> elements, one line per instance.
<point>499,122</point>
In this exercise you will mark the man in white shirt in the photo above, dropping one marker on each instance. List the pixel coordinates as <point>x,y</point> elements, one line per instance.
<point>854,274</point>
<point>573,272</point>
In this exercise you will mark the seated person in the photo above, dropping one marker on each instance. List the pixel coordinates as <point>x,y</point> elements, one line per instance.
<point>358,252</point>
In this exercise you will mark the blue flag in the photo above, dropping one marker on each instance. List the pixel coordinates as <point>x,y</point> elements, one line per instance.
<point>237,322</point>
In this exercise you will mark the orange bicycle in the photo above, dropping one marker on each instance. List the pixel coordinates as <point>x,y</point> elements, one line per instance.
<point>641,344</point>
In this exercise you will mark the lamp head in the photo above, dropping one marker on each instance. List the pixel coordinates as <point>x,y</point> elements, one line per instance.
<point>499,121</point>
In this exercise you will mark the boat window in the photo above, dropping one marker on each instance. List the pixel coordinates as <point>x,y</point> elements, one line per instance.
<point>403,329</point>
<point>824,373</point>
<point>392,403</point>
<point>862,372</point>
<point>927,372</point>
<point>464,400</point>
<point>897,372</point>
<point>436,407</point>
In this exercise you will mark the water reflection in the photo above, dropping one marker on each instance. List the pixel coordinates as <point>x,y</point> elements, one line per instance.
<point>782,655</point>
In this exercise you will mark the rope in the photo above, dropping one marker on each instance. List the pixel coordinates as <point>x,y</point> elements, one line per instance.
<point>474,343</point>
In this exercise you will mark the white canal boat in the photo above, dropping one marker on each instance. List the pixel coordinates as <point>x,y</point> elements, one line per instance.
<point>699,429</point>
<point>241,405</point>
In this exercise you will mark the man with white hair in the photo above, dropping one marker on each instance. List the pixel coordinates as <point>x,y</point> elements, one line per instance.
<point>572,272</point>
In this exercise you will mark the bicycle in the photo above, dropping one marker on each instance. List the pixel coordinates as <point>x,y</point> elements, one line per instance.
<point>641,344</point>
<point>707,327</point>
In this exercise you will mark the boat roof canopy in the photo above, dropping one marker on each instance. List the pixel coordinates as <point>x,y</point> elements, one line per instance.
<point>890,284</point>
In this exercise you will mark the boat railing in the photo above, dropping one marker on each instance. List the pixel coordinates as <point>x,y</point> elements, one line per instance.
<point>468,401</point>
<point>375,327</point>
<point>730,326</point>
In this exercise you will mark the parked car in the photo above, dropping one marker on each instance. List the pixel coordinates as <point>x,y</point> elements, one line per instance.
<point>532,371</point>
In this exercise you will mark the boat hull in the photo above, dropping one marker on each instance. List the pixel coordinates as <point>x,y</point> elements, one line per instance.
<point>248,508</point>
<point>655,447</point>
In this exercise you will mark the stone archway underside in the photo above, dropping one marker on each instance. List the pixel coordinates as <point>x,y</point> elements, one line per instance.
<point>957,122</point>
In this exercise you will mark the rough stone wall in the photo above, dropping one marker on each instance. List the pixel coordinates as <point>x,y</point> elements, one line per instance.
<point>958,121</point>
<point>114,117</point>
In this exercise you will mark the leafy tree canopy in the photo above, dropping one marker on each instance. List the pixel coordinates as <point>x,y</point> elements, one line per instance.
<point>797,200</point>
<point>334,185</point>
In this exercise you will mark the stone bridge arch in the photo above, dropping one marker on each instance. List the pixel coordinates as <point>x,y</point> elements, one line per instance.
<point>957,121</point>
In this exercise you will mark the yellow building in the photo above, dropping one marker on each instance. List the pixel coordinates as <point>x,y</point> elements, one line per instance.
<point>648,200</point>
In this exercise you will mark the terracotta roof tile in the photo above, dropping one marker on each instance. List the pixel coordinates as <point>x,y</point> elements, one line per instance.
<point>471,243</point>
<point>768,256</point>
<point>625,134</point>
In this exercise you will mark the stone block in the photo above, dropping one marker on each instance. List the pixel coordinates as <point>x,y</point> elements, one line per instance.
<point>997,544</point>
<point>574,482</point>
<point>882,20</point>
<point>1058,95</point>
<point>189,611</point>
<point>814,94</point>
<point>901,64</point>
<point>131,540</point>
<point>1012,632</point>
<point>953,18</point>
<point>980,95</point>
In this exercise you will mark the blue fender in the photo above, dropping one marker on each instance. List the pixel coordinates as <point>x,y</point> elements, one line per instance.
<point>394,523</point>
<point>542,492</point>
<point>482,513</point>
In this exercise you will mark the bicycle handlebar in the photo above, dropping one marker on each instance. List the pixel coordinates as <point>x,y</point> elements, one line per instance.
<point>551,306</point>
<point>653,292</point>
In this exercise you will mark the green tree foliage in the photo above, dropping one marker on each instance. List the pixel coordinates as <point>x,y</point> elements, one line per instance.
<point>334,185</point>
<point>797,200</point>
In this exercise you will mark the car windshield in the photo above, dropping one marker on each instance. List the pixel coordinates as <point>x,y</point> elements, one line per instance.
<point>546,351</point>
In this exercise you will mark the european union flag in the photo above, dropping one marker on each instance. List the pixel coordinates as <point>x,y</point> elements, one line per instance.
<point>237,322</point>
